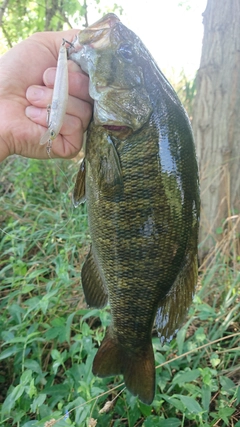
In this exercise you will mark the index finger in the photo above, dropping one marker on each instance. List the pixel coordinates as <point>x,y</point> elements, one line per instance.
<point>78,81</point>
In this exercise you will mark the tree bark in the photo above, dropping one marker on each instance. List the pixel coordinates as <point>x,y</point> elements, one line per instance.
<point>216,120</point>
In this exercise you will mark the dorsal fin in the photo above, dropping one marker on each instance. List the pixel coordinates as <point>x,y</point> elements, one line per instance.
<point>173,308</point>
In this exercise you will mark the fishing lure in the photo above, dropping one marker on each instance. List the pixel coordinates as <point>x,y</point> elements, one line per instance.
<point>56,111</point>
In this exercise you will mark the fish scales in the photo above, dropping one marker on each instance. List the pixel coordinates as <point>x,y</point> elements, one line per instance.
<point>141,188</point>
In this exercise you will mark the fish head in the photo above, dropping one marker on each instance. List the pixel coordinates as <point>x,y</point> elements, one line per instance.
<point>111,55</point>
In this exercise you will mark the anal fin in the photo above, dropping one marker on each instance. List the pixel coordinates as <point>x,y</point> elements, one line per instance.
<point>92,282</point>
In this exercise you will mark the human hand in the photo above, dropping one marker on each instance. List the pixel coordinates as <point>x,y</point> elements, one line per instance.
<point>27,78</point>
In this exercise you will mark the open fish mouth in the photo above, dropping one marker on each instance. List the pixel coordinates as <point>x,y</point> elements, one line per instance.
<point>97,35</point>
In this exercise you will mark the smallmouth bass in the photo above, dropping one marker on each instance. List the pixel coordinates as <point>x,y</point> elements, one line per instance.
<point>140,181</point>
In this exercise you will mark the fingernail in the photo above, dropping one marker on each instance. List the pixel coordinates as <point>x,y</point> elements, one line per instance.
<point>32,112</point>
<point>34,93</point>
<point>49,76</point>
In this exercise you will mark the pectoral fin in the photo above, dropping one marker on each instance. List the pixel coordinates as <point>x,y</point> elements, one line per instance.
<point>79,188</point>
<point>92,282</point>
<point>110,171</point>
<point>173,308</point>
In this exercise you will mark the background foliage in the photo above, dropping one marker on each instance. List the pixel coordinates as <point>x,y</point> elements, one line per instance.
<point>20,19</point>
<point>48,337</point>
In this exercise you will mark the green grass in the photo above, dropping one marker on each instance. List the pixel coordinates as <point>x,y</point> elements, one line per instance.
<point>49,338</point>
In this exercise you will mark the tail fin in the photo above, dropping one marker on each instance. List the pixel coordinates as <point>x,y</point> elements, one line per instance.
<point>138,369</point>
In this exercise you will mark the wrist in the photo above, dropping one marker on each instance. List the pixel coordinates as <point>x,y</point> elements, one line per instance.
<point>4,149</point>
<point>5,129</point>
<point>3,153</point>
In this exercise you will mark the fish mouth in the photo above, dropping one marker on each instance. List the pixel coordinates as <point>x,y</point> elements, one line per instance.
<point>97,34</point>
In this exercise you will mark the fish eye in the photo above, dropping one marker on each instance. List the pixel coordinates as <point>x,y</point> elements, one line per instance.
<point>126,51</point>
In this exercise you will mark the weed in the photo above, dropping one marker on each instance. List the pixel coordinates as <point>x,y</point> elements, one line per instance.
<point>49,338</point>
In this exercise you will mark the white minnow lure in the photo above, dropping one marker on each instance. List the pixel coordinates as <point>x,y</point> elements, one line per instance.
<point>57,110</point>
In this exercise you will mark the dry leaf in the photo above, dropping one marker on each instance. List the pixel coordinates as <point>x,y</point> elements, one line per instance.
<point>107,407</point>
<point>92,422</point>
<point>50,423</point>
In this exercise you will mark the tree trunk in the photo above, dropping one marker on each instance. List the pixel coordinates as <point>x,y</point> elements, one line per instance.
<point>216,121</point>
